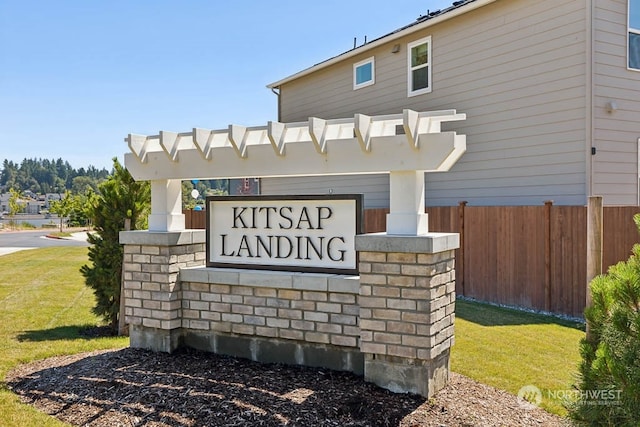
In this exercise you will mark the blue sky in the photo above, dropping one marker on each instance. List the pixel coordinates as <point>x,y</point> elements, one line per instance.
<point>77,76</point>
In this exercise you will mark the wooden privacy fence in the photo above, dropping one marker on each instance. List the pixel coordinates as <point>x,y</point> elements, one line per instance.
<point>528,256</point>
<point>195,219</point>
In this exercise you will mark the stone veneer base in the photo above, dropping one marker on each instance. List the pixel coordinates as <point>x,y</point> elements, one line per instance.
<point>402,375</point>
<point>273,350</point>
<point>155,339</point>
<point>258,349</point>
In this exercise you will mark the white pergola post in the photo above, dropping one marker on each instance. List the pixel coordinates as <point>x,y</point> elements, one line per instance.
<point>166,205</point>
<point>406,216</point>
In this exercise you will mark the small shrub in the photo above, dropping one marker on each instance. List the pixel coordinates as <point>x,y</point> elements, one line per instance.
<point>610,368</point>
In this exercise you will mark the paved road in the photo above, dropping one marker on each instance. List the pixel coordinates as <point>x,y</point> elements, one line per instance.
<point>20,240</point>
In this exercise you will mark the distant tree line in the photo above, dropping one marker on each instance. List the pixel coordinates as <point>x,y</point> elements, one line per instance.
<point>43,176</point>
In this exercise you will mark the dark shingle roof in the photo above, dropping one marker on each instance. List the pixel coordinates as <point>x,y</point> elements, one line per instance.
<point>422,18</point>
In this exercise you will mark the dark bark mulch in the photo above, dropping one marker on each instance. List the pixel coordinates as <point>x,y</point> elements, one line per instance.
<point>132,387</point>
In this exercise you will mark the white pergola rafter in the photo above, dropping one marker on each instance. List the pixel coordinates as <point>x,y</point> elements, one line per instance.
<point>404,145</point>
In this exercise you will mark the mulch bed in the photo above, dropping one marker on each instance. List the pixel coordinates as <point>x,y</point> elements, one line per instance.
<point>132,387</point>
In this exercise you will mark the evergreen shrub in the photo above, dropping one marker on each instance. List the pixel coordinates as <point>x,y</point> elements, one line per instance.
<point>119,198</point>
<point>609,383</point>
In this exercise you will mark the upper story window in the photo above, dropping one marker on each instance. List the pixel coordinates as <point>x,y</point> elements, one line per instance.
<point>364,73</point>
<point>419,61</point>
<point>634,34</point>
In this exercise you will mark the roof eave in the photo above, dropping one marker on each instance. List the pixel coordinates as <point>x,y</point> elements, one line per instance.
<point>383,40</point>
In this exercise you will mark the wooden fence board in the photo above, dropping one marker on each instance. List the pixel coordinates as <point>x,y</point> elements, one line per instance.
<point>619,234</point>
<point>568,259</point>
<point>480,264</point>
<point>375,220</point>
<point>529,224</point>
<point>504,255</point>
<point>195,219</point>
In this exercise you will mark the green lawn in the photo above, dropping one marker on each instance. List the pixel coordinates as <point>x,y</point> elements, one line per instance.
<point>509,349</point>
<point>44,303</point>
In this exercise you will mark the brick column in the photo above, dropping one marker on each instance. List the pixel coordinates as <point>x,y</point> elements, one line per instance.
<point>407,300</point>
<point>153,300</point>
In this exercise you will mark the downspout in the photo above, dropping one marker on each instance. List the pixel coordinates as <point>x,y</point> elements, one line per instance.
<point>589,94</point>
<point>277,93</point>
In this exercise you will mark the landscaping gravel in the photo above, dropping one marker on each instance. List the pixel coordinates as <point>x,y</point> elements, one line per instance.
<point>132,387</point>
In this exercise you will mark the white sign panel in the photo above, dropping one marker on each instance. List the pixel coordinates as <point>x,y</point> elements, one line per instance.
<point>297,233</point>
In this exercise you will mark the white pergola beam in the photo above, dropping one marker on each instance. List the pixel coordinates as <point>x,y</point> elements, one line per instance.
<point>203,141</point>
<point>237,138</point>
<point>367,127</point>
<point>318,131</point>
<point>417,123</point>
<point>360,145</point>
<point>343,157</point>
<point>362,125</point>
<point>276,134</point>
<point>138,145</point>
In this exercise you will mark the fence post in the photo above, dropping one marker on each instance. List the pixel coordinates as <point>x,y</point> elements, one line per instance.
<point>547,254</point>
<point>460,258</point>
<point>594,244</point>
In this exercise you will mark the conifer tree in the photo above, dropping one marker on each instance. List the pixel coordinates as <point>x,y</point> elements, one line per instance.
<point>119,198</point>
<point>610,370</point>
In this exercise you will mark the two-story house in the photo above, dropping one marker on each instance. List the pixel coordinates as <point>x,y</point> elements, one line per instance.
<point>551,90</point>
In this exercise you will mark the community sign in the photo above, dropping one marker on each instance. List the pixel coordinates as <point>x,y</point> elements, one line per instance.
<point>295,233</point>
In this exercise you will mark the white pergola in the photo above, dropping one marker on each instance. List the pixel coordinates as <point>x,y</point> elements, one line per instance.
<point>404,145</point>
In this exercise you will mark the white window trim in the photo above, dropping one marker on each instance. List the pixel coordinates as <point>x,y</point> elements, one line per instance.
<point>429,64</point>
<point>371,60</point>
<point>630,30</point>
